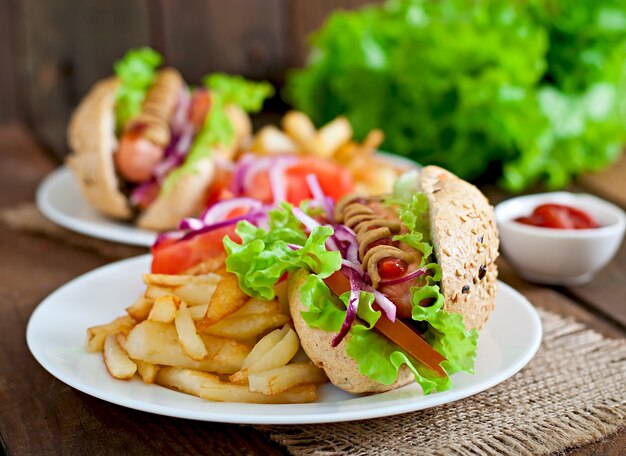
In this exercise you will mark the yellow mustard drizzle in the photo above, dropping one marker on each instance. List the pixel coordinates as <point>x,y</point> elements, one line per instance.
<point>370,227</point>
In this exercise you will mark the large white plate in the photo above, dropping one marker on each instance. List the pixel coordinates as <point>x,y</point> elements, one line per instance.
<point>56,337</point>
<point>60,199</point>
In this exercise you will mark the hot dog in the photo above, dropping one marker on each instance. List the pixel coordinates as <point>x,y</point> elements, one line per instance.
<point>386,290</point>
<point>144,145</point>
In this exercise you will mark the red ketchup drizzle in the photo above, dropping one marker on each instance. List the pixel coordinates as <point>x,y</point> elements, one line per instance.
<point>391,268</point>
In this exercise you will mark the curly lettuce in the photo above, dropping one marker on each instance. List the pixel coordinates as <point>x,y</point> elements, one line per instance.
<point>136,72</point>
<point>263,257</point>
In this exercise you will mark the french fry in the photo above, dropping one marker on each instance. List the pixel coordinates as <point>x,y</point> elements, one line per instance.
<point>140,309</point>
<point>258,306</point>
<point>298,127</point>
<point>154,292</point>
<point>264,345</point>
<point>192,343</point>
<point>330,138</point>
<point>195,294</point>
<point>164,309</point>
<point>279,379</point>
<point>117,360</point>
<point>198,312</point>
<point>177,280</point>
<point>147,371</point>
<point>157,343</point>
<point>271,140</point>
<point>226,299</point>
<point>247,327</point>
<point>97,334</point>
<point>278,355</point>
<point>210,387</point>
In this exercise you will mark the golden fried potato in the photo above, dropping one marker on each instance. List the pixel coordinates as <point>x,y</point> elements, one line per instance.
<point>281,378</point>
<point>210,387</point>
<point>97,334</point>
<point>116,360</point>
<point>158,343</point>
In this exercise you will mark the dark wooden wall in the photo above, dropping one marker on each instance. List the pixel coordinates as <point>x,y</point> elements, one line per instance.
<point>52,51</point>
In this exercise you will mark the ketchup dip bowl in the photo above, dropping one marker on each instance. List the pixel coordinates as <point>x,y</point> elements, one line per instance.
<point>559,256</point>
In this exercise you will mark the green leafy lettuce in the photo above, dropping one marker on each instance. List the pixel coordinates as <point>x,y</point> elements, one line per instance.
<point>136,72</point>
<point>519,92</point>
<point>218,130</point>
<point>263,257</point>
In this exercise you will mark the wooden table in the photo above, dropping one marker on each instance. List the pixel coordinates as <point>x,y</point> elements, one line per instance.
<point>41,415</point>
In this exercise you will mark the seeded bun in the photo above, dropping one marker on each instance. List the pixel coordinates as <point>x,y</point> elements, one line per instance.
<point>91,136</point>
<point>464,236</point>
<point>341,370</point>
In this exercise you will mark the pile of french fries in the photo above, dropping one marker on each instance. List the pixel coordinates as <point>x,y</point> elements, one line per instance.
<point>372,174</point>
<point>201,335</point>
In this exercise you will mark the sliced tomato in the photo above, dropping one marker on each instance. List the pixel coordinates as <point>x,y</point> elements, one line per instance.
<point>220,187</point>
<point>334,180</point>
<point>175,257</point>
<point>199,108</point>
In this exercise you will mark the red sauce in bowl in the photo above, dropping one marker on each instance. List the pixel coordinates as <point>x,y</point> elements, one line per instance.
<point>559,216</point>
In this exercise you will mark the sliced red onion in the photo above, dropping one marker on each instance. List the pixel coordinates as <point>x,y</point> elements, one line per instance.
<point>143,194</point>
<point>406,278</point>
<point>353,305</point>
<point>278,181</point>
<point>256,165</point>
<point>241,171</point>
<point>354,266</point>
<point>383,301</point>
<point>182,109</point>
<point>346,240</point>
<point>220,210</point>
<point>250,217</point>
<point>294,246</point>
<point>309,222</point>
<point>190,224</point>
<point>319,196</point>
<point>171,235</point>
<point>385,304</point>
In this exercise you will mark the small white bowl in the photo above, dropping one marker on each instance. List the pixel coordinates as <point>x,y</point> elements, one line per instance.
<point>559,256</point>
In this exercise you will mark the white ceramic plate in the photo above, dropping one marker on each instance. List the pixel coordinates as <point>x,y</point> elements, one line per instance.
<point>56,338</point>
<point>60,199</point>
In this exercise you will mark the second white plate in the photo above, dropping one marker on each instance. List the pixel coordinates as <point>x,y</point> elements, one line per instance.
<point>56,337</point>
<point>60,199</point>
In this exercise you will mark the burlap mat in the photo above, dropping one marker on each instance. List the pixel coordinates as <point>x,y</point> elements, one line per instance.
<point>27,218</point>
<point>572,393</point>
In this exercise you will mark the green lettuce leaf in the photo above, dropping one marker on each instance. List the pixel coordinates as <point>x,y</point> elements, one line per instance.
<point>264,256</point>
<point>236,90</point>
<point>136,72</point>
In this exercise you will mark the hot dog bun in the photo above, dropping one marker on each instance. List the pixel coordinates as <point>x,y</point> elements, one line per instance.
<point>92,139</point>
<point>91,136</point>
<point>464,236</point>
